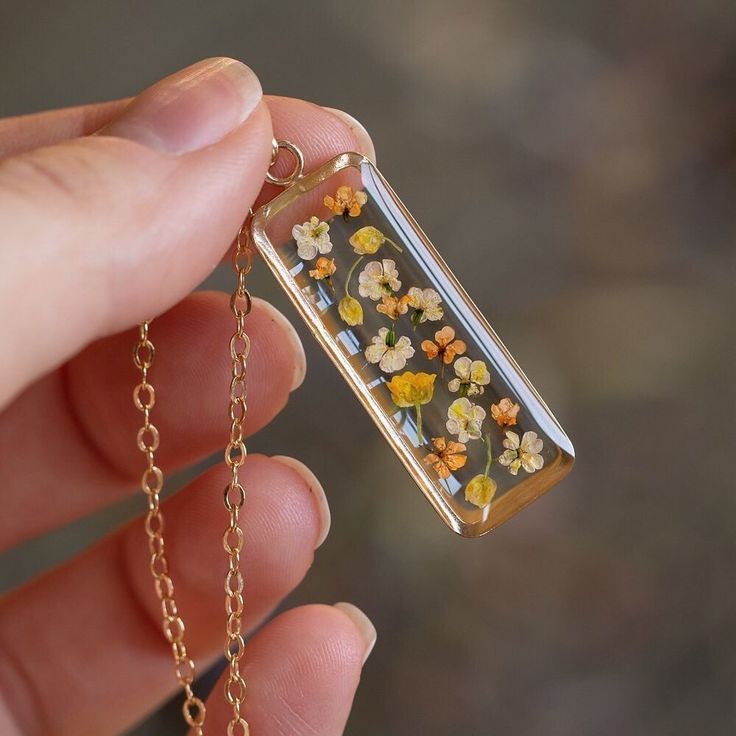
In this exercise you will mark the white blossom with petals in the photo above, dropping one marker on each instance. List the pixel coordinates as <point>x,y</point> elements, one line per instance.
<point>390,358</point>
<point>522,453</point>
<point>311,237</point>
<point>465,419</point>
<point>379,279</point>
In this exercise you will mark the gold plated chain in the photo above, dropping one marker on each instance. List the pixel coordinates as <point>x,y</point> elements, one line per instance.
<point>152,482</point>
<point>234,496</point>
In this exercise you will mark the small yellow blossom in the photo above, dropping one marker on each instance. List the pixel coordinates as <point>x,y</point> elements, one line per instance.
<point>367,240</point>
<point>410,389</point>
<point>323,268</point>
<point>350,311</point>
<point>446,457</point>
<point>346,202</point>
<point>504,413</point>
<point>480,490</point>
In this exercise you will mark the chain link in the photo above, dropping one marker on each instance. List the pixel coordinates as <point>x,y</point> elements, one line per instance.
<point>234,495</point>
<point>152,483</point>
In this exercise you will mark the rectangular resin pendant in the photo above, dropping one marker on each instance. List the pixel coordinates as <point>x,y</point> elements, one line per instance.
<point>444,391</point>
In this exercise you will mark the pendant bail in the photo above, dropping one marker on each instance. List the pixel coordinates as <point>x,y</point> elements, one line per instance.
<point>298,170</point>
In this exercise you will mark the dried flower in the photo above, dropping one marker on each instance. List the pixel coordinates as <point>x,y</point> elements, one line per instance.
<point>465,419</point>
<point>311,237</point>
<point>323,269</point>
<point>472,376</point>
<point>413,389</point>
<point>350,311</point>
<point>522,453</point>
<point>426,305</point>
<point>390,354</point>
<point>480,490</point>
<point>346,202</point>
<point>445,346</point>
<point>392,307</point>
<point>447,457</point>
<point>504,413</point>
<point>378,278</point>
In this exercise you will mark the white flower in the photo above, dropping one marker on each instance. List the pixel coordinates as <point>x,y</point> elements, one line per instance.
<point>425,303</point>
<point>465,419</point>
<point>311,237</point>
<point>378,278</point>
<point>472,376</point>
<point>390,354</point>
<point>522,453</point>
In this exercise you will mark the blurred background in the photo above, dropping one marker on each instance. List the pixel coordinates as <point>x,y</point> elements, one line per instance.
<point>590,147</point>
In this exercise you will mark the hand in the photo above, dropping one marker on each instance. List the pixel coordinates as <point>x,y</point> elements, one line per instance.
<point>101,230</point>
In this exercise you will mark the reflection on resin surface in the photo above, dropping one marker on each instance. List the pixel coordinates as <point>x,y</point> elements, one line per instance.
<point>459,412</point>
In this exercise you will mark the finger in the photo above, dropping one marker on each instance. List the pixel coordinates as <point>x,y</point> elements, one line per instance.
<point>128,222</point>
<point>301,672</point>
<point>82,421</point>
<point>25,132</point>
<point>95,624</point>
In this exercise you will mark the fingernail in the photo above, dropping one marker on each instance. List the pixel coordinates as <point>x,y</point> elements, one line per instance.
<point>297,349</point>
<point>363,140</point>
<point>318,494</point>
<point>363,624</point>
<point>191,109</point>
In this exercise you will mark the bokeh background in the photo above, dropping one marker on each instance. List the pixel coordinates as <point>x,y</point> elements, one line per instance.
<point>586,152</point>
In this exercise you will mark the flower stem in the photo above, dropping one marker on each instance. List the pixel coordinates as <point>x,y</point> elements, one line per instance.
<point>420,437</point>
<point>350,274</point>
<point>490,456</point>
<point>391,242</point>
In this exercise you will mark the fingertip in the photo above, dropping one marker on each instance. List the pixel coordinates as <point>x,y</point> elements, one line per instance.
<point>363,140</point>
<point>363,625</point>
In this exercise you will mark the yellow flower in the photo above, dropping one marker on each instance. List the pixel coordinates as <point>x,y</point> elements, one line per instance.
<point>367,240</point>
<point>447,457</point>
<point>504,413</point>
<point>350,311</point>
<point>412,389</point>
<point>480,490</point>
<point>323,268</point>
<point>346,202</point>
<point>392,307</point>
<point>445,345</point>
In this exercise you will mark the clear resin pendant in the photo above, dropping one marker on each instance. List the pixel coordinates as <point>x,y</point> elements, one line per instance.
<point>444,391</point>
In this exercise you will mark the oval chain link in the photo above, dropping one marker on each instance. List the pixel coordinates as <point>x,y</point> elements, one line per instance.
<point>152,483</point>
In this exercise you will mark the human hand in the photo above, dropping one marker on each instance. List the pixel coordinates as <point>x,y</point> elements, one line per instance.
<point>99,232</point>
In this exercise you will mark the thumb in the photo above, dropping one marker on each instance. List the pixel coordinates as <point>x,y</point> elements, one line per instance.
<point>99,233</point>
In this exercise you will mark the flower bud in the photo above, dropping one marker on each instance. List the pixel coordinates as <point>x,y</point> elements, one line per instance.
<point>350,311</point>
<point>480,490</point>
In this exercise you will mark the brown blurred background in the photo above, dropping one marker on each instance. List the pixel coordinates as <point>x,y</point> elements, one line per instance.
<point>590,149</point>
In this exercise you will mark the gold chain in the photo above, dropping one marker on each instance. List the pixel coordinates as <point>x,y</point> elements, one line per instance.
<point>152,482</point>
<point>234,496</point>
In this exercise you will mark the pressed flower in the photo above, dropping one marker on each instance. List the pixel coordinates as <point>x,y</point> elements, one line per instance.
<point>393,307</point>
<point>426,305</point>
<point>390,354</point>
<point>445,346</point>
<point>413,389</point>
<point>472,376</point>
<point>378,279</point>
<point>504,413</point>
<point>368,240</point>
<point>350,311</point>
<point>522,453</point>
<point>323,269</point>
<point>311,237</point>
<point>465,419</point>
<point>480,490</point>
<point>446,457</point>
<point>346,202</point>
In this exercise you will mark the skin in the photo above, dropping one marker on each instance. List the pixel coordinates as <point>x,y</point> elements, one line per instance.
<point>111,214</point>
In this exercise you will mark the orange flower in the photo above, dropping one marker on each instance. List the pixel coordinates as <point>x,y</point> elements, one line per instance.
<point>504,413</point>
<point>346,202</point>
<point>447,457</point>
<point>393,307</point>
<point>445,346</point>
<point>324,268</point>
